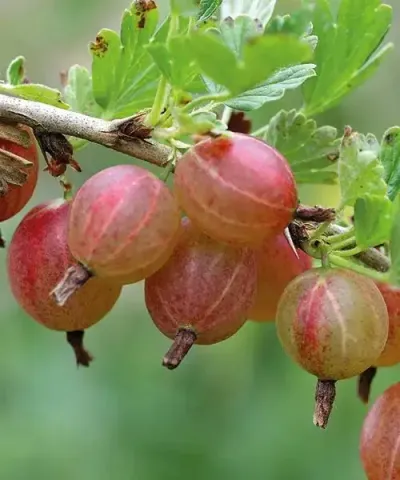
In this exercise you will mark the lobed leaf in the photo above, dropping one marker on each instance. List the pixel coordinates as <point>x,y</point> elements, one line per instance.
<point>309,149</point>
<point>390,158</point>
<point>221,64</point>
<point>348,49</point>
<point>373,216</point>
<point>360,170</point>
<point>124,75</point>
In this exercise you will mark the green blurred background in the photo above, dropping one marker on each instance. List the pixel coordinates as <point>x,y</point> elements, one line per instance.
<point>240,410</point>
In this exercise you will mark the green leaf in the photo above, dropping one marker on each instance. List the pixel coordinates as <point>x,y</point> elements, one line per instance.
<point>360,170</point>
<point>274,88</point>
<point>236,33</point>
<point>309,149</point>
<point>16,71</point>
<point>372,220</point>
<point>394,245</point>
<point>185,8</point>
<point>78,91</point>
<point>218,62</point>
<point>348,49</point>
<point>124,75</point>
<point>207,9</point>
<point>390,158</point>
<point>106,54</point>
<point>35,92</point>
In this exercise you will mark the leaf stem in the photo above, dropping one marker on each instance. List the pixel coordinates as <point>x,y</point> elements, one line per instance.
<point>339,237</point>
<point>349,253</point>
<point>350,265</point>
<point>346,242</point>
<point>212,97</point>
<point>163,88</point>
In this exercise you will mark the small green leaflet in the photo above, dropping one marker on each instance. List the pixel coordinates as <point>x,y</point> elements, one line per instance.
<point>36,93</point>
<point>16,71</point>
<point>78,92</point>
<point>395,245</point>
<point>360,170</point>
<point>207,9</point>
<point>348,49</point>
<point>309,149</point>
<point>220,63</point>
<point>372,220</point>
<point>124,76</point>
<point>390,158</point>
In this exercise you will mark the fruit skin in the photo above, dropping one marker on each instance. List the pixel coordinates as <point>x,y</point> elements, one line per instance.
<point>205,286</point>
<point>18,196</point>
<point>277,266</point>
<point>379,442</point>
<point>391,353</point>
<point>38,255</point>
<point>124,223</point>
<point>244,190</point>
<point>333,322</point>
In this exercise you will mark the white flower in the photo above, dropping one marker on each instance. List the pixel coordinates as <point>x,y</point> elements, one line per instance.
<point>258,9</point>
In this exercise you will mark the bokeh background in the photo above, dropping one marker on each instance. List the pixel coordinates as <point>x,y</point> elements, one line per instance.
<point>240,410</point>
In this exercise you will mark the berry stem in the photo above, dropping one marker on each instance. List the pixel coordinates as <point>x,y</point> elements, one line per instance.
<point>75,339</point>
<point>210,98</point>
<point>75,277</point>
<point>315,214</point>
<point>349,264</point>
<point>2,241</point>
<point>183,342</point>
<point>364,384</point>
<point>324,398</point>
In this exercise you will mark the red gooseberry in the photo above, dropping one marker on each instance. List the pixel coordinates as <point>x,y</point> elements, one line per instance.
<point>277,266</point>
<point>123,225</point>
<point>380,437</point>
<point>17,184</point>
<point>236,188</point>
<point>202,294</point>
<point>38,255</point>
<point>334,324</point>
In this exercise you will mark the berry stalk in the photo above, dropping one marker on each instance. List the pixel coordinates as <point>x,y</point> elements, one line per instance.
<point>183,342</point>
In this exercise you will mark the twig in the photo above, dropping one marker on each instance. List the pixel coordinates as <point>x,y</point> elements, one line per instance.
<point>110,134</point>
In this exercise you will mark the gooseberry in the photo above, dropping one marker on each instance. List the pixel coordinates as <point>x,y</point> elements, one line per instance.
<point>236,188</point>
<point>334,324</point>
<point>380,437</point>
<point>123,225</point>
<point>277,265</point>
<point>38,255</point>
<point>18,179</point>
<point>202,294</point>
<point>391,353</point>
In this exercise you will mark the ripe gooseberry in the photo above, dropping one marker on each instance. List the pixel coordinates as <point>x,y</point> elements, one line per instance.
<point>18,178</point>
<point>391,353</point>
<point>123,226</point>
<point>334,324</point>
<point>236,188</point>
<point>202,294</point>
<point>38,255</point>
<point>379,441</point>
<point>277,266</point>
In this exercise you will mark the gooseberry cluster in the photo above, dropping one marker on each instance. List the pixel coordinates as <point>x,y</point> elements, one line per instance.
<point>214,252</point>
